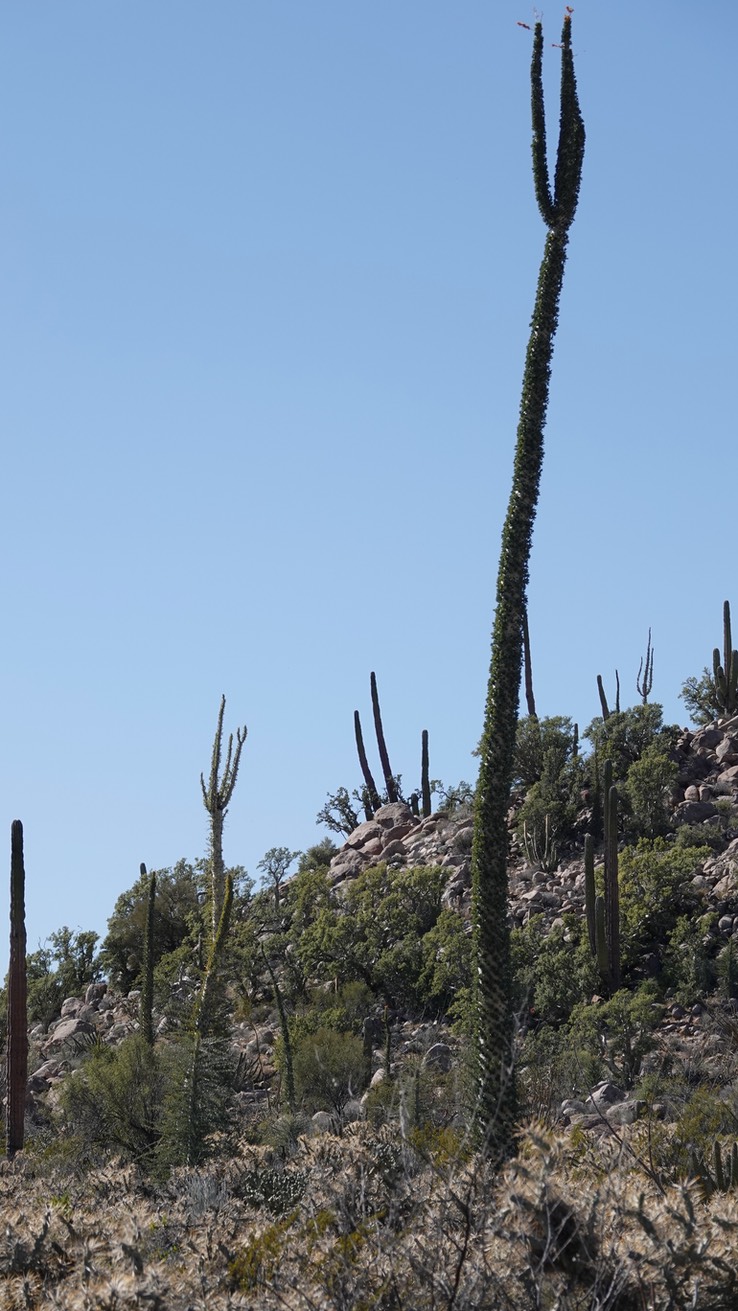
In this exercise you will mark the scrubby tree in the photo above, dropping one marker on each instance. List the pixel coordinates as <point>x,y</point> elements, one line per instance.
<point>274,866</point>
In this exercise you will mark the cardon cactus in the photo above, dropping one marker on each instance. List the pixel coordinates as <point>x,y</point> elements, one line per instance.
<point>146,1002</point>
<point>726,674</point>
<point>17,1054</point>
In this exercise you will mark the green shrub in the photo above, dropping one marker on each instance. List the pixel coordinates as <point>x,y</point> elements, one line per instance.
<point>700,697</point>
<point>689,964</point>
<point>627,734</point>
<point>556,1064</point>
<point>621,1028</point>
<point>553,971</point>
<point>538,740</point>
<point>329,1070</point>
<point>655,889</point>
<point>650,780</point>
<point>113,1102</point>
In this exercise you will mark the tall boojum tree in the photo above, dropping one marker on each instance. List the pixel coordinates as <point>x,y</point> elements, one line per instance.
<point>493,985</point>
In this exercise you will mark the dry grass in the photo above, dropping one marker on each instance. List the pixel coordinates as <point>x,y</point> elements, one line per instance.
<point>379,1224</point>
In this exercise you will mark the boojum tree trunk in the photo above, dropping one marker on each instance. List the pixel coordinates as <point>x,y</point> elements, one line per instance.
<point>496,1105</point>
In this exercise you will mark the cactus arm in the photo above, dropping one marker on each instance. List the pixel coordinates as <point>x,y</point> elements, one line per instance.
<point>530,700</point>
<point>425,775</point>
<point>373,799</point>
<point>146,1003</point>
<point>603,698</point>
<point>382,745</point>
<point>589,891</point>
<point>603,960</point>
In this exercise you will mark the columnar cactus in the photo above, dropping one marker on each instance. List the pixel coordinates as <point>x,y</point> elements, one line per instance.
<point>216,797</point>
<point>17,1054</point>
<point>612,885</point>
<point>201,1028</point>
<point>644,678</point>
<point>726,674</point>
<point>496,1109</point>
<point>146,1002</point>
<point>289,1069</point>
<point>425,775</point>
<point>389,778</point>
<point>589,891</point>
<point>606,712</point>
<point>372,798</point>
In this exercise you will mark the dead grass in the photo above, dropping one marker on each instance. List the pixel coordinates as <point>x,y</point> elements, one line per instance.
<point>378,1224</point>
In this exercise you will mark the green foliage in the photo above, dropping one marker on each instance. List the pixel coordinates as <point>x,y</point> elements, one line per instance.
<point>445,978</point>
<point>624,736</point>
<point>254,1266</point>
<point>700,697</point>
<point>329,1070</point>
<point>376,935</point>
<point>274,866</point>
<point>621,1028</point>
<point>650,780</point>
<point>689,966</point>
<point>655,888</point>
<point>555,1064</point>
<point>113,1102</point>
<point>178,918</point>
<point>198,1080</point>
<point>180,925</point>
<point>535,740</point>
<point>344,1011</point>
<point>452,799</point>
<point>548,815</point>
<point>705,1116</point>
<point>62,968</point>
<point>317,857</point>
<point>339,813</point>
<point>553,971</point>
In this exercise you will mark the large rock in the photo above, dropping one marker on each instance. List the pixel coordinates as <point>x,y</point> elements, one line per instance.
<point>346,865</point>
<point>364,833</point>
<point>68,1029</point>
<point>393,814</point>
<point>694,812</point>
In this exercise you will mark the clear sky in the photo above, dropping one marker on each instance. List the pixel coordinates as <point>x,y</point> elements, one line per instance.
<point>267,271</point>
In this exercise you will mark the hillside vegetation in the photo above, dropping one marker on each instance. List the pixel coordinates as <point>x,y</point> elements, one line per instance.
<point>310,1144</point>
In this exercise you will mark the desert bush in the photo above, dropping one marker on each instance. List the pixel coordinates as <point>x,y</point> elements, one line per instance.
<point>626,735</point>
<point>113,1102</point>
<point>649,782</point>
<point>539,739</point>
<point>329,1070</point>
<point>553,971</point>
<point>655,889</point>
<point>621,1029</point>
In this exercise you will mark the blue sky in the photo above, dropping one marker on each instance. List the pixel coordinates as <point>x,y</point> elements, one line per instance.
<point>267,273</point>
